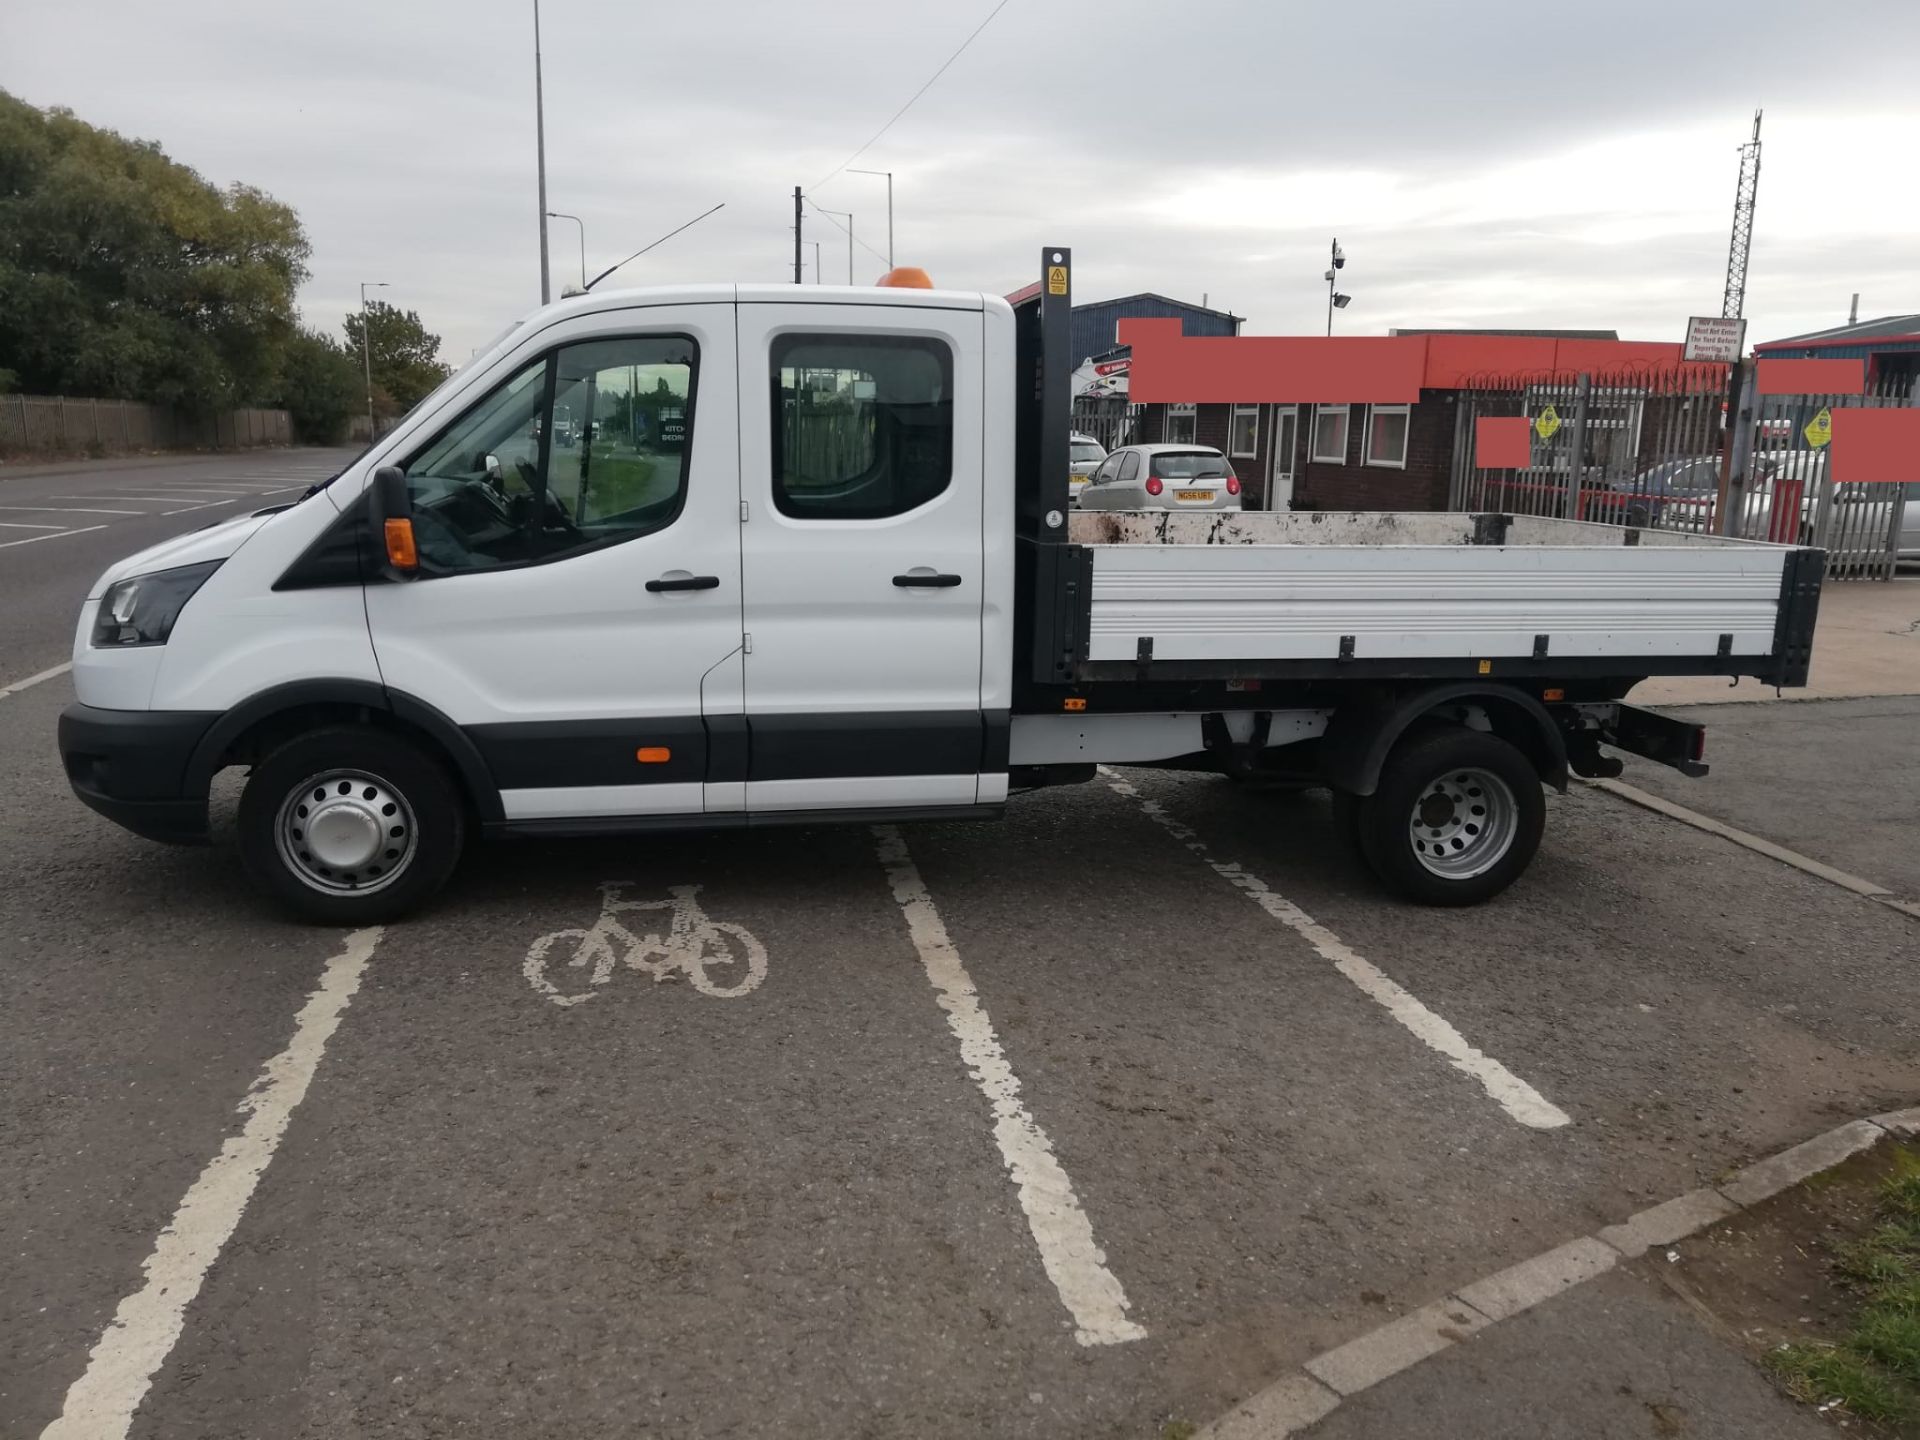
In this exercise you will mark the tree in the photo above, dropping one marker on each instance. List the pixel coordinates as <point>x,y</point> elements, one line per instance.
<point>319,386</point>
<point>405,357</point>
<point>125,275</point>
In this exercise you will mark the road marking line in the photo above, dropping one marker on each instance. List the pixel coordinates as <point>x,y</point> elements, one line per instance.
<point>117,495</point>
<point>101,1404</point>
<point>1512,1094</point>
<point>82,530</point>
<point>1305,1396</point>
<point>1071,1257</point>
<point>67,510</point>
<point>22,525</point>
<point>17,686</point>
<point>208,505</point>
<point>1752,842</point>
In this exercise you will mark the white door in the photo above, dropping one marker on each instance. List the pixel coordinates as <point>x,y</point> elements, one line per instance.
<point>1286,438</point>
<point>862,554</point>
<point>578,529</point>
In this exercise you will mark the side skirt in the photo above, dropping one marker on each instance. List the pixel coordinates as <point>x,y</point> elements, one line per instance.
<point>608,825</point>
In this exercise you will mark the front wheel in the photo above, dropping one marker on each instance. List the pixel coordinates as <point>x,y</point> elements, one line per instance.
<point>1455,819</point>
<point>350,825</point>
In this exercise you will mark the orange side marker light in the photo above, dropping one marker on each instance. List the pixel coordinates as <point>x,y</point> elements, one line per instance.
<point>1074,703</point>
<point>653,754</point>
<point>401,553</point>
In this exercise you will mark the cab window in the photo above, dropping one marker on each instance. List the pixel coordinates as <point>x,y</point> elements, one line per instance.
<point>584,447</point>
<point>862,424</point>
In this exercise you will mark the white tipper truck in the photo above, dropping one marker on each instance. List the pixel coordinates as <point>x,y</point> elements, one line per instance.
<point>806,554</point>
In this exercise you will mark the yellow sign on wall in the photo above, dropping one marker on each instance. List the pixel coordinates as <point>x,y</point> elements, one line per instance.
<point>1819,429</point>
<point>1056,279</point>
<point>1547,422</point>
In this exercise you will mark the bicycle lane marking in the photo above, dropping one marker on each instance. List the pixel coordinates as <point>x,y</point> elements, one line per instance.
<point>1073,1260</point>
<point>101,1404</point>
<point>1512,1094</point>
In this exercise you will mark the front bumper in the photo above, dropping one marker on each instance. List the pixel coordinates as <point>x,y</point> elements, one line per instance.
<point>131,766</point>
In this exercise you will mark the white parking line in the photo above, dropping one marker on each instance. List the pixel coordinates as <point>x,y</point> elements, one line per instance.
<point>101,1404</point>
<point>207,505</point>
<point>1512,1094</point>
<point>27,684</point>
<point>1072,1259</point>
<point>122,495</point>
<point>20,525</point>
<point>65,510</point>
<point>84,529</point>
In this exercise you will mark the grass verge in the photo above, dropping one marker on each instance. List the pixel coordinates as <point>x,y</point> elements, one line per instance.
<point>1873,1371</point>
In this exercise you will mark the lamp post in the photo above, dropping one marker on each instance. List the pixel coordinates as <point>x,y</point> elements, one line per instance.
<point>1335,300</point>
<point>366,348</point>
<point>563,215</point>
<point>816,261</point>
<point>540,152</point>
<point>846,215</point>
<point>889,175</point>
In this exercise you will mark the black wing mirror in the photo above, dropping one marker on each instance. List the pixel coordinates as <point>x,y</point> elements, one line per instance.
<point>390,509</point>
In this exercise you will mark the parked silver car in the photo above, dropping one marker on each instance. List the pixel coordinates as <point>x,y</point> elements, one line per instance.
<point>1163,477</point>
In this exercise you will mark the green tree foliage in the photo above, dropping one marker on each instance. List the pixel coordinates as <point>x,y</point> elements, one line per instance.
<point>320,387</point>
<point>127,276</point>
<point>405,356</point>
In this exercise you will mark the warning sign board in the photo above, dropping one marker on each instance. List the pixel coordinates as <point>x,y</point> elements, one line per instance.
<point>1056,279</point>
<point>1819,429</point>
<point>1547,422</point>
<point>1714,340</point>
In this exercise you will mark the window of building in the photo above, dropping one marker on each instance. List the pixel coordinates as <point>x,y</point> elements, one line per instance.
<point>862,424</point>
<point>1330,434</point>
<point>584,447</point>
<point>1182,421</point>
<point>1243,431</point>
<point>1387,436</point>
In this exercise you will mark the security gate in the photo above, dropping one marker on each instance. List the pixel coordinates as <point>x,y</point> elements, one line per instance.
<point>1647,449</point>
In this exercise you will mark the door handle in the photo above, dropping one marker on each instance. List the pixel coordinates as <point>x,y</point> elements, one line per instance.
<point>926,580</point>
<point>685,582</point>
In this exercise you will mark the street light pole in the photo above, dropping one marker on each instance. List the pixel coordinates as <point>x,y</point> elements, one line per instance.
<point>816,261</point>
<point>889,175</point>
<point>563,215</point>
<point>846,215</point>
<point>540,147</point>
<point>1335,301</point>
<point>366,349</point>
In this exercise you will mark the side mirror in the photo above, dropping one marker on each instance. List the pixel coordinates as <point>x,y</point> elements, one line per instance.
<point>390,509</point>
<point>491,464</point>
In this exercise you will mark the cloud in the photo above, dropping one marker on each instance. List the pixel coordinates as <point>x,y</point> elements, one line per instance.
<point>1482,163</point>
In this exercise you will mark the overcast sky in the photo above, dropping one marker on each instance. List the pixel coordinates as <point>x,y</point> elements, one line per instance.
<point>1482,163</point>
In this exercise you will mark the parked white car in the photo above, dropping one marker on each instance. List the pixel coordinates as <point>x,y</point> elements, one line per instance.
<point>1163,477</point>
<point>1084,454</point>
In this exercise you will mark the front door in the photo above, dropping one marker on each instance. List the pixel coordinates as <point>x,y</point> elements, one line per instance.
<point>578,529</point>
<point>860,467</point>
<point>1286,436</point>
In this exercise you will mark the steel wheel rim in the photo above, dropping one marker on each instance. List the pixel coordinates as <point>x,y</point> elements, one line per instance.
<point>346,832</point>
<point>1464,822</point>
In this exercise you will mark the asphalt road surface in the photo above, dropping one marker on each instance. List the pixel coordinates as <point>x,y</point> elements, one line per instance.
<point>1077,1125</point>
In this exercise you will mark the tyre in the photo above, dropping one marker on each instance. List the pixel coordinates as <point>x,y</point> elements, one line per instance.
<point>1456,817</point>
<point>350,825</point>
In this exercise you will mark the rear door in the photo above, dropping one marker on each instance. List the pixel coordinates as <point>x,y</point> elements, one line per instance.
<point>862,555</point>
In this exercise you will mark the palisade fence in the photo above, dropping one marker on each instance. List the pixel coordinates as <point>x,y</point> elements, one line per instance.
<point>56,424</point>
<point>1650,445</point>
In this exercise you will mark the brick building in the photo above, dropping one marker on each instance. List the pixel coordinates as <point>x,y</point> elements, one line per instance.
<point>1363,451</point>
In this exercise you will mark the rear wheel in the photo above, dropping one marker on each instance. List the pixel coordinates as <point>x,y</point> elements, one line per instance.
<point>350,825</point>
<point>1455,819</point>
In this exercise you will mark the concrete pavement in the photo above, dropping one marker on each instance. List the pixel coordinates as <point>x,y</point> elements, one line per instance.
<point>801,1210</point>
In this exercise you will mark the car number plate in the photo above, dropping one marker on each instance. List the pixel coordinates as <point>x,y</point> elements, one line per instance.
<point>1195,494</point>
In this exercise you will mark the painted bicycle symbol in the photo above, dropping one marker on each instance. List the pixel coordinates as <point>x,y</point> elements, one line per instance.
<point>721,959</point>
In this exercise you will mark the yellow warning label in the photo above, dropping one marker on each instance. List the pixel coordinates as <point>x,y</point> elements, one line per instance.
<point>1546,422</point>
<point>1056,279</point>
<point>1819,429</point>
<point>1486,667</point>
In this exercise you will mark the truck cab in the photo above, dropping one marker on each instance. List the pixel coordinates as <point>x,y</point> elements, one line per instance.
<point>682,557</point>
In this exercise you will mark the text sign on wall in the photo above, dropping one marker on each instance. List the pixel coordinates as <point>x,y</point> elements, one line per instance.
<point>1714,339</point>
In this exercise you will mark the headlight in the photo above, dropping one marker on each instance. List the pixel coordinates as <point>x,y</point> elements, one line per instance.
<point>141,611</point>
